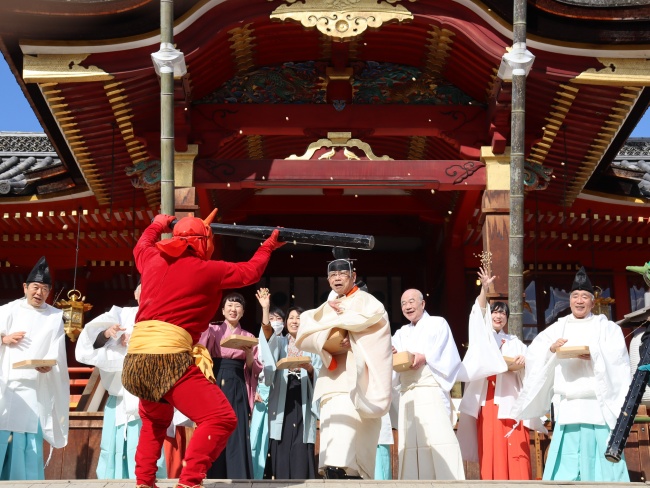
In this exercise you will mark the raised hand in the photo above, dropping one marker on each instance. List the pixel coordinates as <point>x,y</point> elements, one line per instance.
<point>164,220</point>
<point>264,297</point>
<point>273,241</point>
<point>486,280</point>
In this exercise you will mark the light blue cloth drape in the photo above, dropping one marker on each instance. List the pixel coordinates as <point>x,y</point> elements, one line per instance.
<point>383,470</point>
<point>577,452</point>
<point>21,455</point>
<point>117,449</point>
<point>260,432</point>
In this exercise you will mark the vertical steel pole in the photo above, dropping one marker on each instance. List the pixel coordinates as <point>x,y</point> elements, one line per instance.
<point>518,132</point>
<point>167,204</point>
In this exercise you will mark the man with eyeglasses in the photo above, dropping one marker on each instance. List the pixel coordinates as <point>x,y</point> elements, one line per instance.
<point>354,387</point>
<point>427,444</point>
<point>34,402</point>
<point>587,391</point>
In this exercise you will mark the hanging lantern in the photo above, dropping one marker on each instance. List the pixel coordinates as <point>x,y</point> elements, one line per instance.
<point>602,304</point>
<point>73,313</point>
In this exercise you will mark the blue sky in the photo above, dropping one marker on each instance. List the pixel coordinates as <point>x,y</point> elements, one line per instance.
<point>17,115</point>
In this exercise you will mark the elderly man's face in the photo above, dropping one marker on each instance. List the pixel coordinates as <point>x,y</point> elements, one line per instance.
<point>581,303</point>
<point>36,293</point>
<point>412,305</point>
<point>341,281</point>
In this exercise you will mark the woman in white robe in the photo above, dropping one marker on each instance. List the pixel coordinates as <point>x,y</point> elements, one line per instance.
<point>490,391</point>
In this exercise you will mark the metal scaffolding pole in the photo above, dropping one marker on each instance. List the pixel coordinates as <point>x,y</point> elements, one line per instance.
<point>516,64</point>
<point>169,64</point>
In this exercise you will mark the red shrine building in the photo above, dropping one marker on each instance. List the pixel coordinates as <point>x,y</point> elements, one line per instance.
<point>390,118</point>
<point>387,118</point>
<point>395,123</point>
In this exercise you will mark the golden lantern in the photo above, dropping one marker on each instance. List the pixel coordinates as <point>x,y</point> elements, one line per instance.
<point>73,313</point>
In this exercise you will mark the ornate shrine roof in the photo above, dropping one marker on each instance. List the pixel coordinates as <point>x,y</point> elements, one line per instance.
<point>260,90</point>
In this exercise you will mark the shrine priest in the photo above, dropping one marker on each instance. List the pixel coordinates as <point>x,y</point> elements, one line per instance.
<point>353,387</point>
<point>587,388</point>
<point>427,445</point>
<point>34,401</point>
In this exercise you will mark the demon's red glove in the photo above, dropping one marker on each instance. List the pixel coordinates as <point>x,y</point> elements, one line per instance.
<point>164,220</point>
<point>272,242</point>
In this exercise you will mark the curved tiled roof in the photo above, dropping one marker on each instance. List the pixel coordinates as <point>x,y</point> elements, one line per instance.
<point>29,165</point>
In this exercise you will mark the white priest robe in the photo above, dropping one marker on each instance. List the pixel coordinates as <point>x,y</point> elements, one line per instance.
<point>357,393</point>
<point>110,358</point>
<point>484,358</point>
<point>590,392</point>
<point>28,397</point>
<point>427,444</point>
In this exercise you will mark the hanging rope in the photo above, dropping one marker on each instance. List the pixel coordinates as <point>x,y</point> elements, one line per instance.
<point>76,256</point>
<point>110,215</point>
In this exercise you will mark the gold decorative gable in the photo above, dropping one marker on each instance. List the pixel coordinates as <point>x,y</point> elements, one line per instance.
<point>343,20</point>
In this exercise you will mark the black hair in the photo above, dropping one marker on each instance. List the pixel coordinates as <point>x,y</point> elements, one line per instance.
<point>500,307</point>
<point>296,308</point>
<point>277,311</point>
<point>234,297</point>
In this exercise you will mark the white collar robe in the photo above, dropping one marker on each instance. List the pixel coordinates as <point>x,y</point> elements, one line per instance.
<point>369,367</point>
<point>109,359</point>
<point>484,358</point>
<point>432,337</point>
<point>611,367</point>
<point>42,397</point>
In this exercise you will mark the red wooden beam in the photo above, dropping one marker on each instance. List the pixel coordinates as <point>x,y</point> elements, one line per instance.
<point>282,173</point>
<point>346,205</point>
<point>465,124</point>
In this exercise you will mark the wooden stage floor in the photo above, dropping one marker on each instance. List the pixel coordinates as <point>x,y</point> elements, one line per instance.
<point>309,484</point>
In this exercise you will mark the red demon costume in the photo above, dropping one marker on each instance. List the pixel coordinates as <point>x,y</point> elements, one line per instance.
<point>181,291</point>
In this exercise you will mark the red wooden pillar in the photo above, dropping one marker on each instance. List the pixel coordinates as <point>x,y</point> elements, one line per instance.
<point>495,208</point>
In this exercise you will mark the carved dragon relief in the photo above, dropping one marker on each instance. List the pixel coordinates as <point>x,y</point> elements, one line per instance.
<point>342,20</point>
<point>536,176</point>
<point>145,174</point>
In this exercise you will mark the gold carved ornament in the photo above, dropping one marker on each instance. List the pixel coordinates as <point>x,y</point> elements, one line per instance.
<point>342,20</point>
